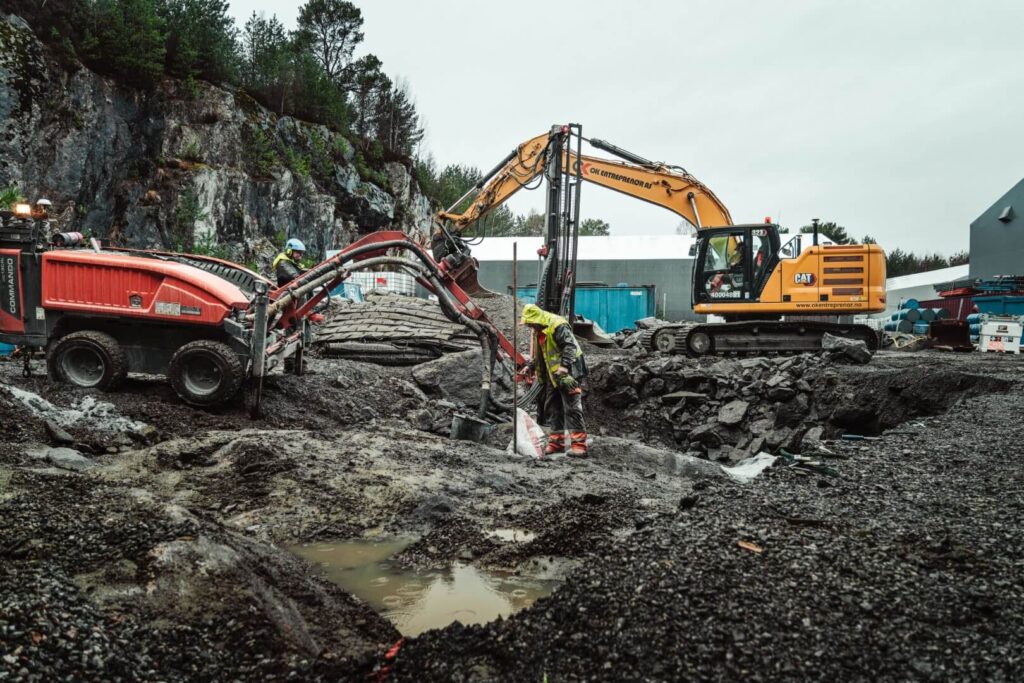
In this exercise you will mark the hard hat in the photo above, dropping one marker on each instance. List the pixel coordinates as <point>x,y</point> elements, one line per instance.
<point>294,245</point>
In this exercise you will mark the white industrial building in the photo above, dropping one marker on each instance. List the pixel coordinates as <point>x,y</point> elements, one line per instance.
<point>664,261</point>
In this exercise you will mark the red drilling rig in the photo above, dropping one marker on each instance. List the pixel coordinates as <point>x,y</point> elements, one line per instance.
<point>209,325</point>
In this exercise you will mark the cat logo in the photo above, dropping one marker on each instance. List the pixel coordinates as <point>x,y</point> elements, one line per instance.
<point>805,279</point>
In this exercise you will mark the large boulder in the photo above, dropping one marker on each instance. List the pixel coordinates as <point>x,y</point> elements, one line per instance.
<point>456,377</point>
<point>733,412</point>
<point>69,459</point>
<point>841,348</point>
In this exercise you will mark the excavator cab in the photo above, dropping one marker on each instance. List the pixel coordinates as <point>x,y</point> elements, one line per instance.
<point>733,263</point>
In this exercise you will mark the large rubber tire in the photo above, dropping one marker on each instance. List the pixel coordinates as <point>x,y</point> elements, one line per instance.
<point>205,372</point>
<point>90,360</point>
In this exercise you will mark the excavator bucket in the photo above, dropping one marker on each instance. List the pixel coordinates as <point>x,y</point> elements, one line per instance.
<point>586,330</point>
<point>466,276</point>
<point>955,334</point>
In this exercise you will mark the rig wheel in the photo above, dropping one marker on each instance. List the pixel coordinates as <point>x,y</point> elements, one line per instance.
<point>205,372</point>
<point>91,360</point>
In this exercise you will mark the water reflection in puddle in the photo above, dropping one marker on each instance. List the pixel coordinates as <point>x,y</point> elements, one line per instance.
<point>416,601</point>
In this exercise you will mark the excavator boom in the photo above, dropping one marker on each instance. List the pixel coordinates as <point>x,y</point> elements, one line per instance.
<point>667,186</point>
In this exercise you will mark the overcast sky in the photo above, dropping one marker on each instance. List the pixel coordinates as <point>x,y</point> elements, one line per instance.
<point>899,119</point>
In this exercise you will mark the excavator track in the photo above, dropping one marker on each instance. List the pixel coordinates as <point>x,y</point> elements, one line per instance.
<point>661,338</point>
<point>756,337</point>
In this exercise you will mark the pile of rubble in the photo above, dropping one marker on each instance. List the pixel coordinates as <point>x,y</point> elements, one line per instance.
<point>726,410</point>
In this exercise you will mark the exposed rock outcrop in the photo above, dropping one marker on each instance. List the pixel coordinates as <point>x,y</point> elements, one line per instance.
<point>185,166</point>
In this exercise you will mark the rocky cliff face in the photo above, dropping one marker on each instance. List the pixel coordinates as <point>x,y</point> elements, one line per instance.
<point>183,167</point>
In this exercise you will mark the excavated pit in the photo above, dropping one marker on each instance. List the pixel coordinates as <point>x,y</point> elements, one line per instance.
<point>173,542</point>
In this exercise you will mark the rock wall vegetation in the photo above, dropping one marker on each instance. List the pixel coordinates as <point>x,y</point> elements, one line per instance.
<point>185,164</point>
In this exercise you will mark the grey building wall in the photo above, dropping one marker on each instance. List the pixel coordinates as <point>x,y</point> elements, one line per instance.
<point>671,278</point>
<point>997,246</point>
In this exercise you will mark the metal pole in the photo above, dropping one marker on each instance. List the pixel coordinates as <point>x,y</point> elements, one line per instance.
<point>515,346</point>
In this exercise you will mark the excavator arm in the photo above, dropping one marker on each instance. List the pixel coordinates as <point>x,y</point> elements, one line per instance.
<point>670,187</point>
<point>523,165</point>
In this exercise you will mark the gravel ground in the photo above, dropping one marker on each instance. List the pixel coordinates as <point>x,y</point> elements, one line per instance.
<point>164,561</point>
<point>905,566</point>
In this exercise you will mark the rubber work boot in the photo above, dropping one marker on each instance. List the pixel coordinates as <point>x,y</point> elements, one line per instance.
<point>556,443</point>
<point>578,447</point>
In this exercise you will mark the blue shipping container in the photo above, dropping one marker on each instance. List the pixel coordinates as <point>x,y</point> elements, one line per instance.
<point>1000,305</point>
<point>613,308</point>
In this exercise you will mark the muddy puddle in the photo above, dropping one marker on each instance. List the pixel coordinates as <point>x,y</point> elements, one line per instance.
<point>417,601</point>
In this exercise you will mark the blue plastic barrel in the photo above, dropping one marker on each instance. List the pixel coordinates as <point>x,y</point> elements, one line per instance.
<point>927,314</point>
<point>911,315</point>
<point>912,304</point>
<point>921,328</point>
<point>975,318</point>
<point>6,349</point>
<point>904,326</point>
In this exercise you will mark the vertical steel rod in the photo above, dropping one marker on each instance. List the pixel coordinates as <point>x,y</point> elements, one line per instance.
<point>515,346</point>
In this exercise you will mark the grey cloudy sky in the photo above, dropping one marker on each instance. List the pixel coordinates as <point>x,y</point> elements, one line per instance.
<point>899,119</point>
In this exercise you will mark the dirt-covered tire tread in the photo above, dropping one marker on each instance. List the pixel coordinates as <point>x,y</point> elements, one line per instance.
<point>113,356</point>
<point>227,361</point>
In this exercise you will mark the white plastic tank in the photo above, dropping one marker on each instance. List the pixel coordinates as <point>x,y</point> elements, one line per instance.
<point>391,282</point>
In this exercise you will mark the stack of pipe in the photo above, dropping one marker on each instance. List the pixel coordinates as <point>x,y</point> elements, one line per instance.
<point>903,320</point>
<point>912,319</point>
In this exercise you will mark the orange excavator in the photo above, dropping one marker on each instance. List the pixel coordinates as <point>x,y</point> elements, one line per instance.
<point>774,298</point>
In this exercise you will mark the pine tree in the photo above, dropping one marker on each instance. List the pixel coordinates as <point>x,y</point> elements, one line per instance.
<point>330,30</point>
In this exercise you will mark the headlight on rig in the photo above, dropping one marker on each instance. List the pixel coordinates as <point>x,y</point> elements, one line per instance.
<point>23,210</point>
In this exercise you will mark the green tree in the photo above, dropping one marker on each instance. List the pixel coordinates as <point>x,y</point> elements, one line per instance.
<point>264,47</point>
<point>594,226</point>
<point>960,258</point>
<point>830,229</point>
<point>314,96</point>
<point>125,39</point>
<point>330,30</point>
<point>931,262</point>
<point>868,239</point>
<point>532,224</point>
<point>397,122</point>
<point>897,263</point>
<point>201,40</point>
<point>454,181</point>
<point>366,82</point>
